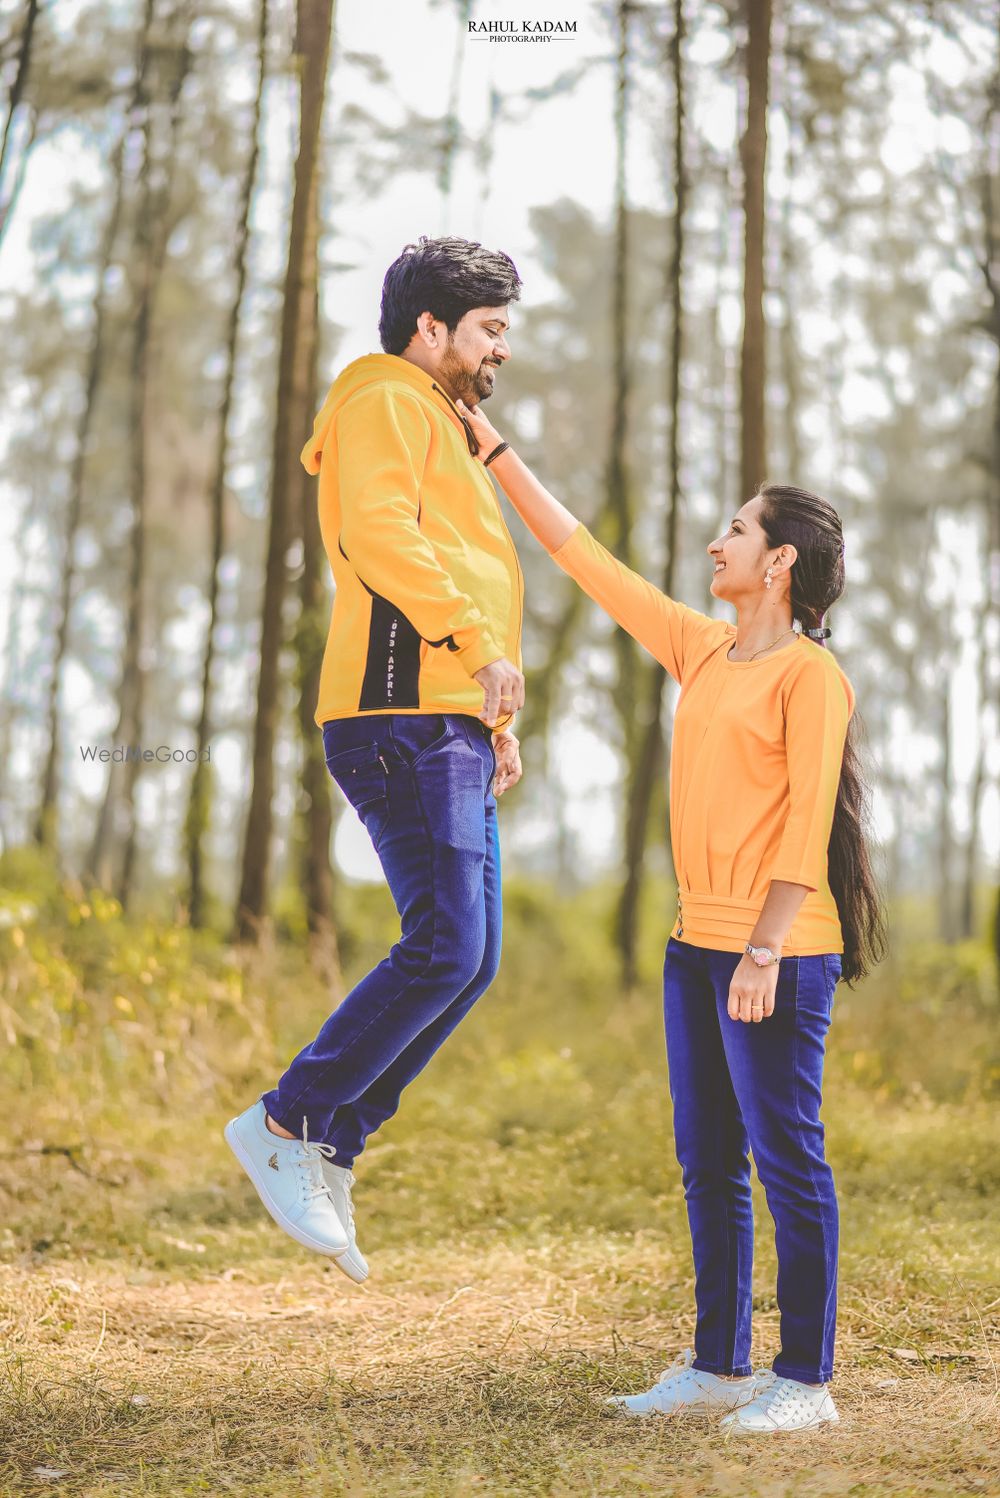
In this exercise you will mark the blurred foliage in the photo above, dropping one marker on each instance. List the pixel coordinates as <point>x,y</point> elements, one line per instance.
<point>102,1009</point>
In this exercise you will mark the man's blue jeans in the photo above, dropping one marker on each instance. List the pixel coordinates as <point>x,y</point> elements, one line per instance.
<point>422,784</point>
<point>736,1087</point>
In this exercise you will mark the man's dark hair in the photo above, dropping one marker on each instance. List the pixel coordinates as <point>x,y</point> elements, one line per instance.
<point>446,277</point>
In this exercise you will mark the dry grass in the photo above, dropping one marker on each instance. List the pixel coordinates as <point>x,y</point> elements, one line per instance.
<point>522,1216</point>
<point>454,1373</point>
<point>458,1371</point>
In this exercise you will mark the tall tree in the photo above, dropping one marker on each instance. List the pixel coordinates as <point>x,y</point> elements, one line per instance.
<point>753,158</point>
<point>117,828</point>
<point>316,817</point>
<point>617,473</point>
<point>451,132</point>
<point>196,821</point>
<point>314,25</point>
<point>650,759</point>
<point>45,828</point>
<point>8,178</point>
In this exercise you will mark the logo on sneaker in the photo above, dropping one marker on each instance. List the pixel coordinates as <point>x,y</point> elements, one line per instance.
<point>273,1162</point>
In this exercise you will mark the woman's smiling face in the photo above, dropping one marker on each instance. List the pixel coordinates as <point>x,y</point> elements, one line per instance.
<point>740,555</point>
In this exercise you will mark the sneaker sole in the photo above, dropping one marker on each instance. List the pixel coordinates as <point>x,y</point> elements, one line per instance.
<point>347,1266</point>
<point>683,1412</point>
<point>748,1430</point>
<point>679,1414</point>
<point>232,1138</point>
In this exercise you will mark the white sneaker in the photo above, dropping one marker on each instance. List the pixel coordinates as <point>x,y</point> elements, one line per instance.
<point>288,1177</point>
<point>339,1180</point>
<point>783,1405</point>
<point>684,1390</point>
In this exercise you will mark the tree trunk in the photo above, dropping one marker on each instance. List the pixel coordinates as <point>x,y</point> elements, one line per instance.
<point>45,823</point>
<point>753,155</point>
<point>967,898</point>
<point>451,131</point>
<point>788,267</point>
<point>295,393</point>
<point>946,904</point>
<point>617,474</point>
<point>118,820</point>
<point>196,821</point>
<point>317,873</point>
<point>316,870</point>
<point>651,760</point>
<point>8,196</point>
<point>990,261</point>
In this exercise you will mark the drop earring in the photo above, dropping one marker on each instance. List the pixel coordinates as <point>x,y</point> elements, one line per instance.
<point>767,578</point>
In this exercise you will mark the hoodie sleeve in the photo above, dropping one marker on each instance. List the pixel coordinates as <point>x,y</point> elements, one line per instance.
<point>817,710</point>
<point>382,443</point>
<point>669,630</point>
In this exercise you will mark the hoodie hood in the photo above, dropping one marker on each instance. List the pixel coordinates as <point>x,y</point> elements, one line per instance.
<point>368,370</point>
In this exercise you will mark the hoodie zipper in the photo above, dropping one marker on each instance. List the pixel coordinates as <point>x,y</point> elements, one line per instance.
<point>470,438</point>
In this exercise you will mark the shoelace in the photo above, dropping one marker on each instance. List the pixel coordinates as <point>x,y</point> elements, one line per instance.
<point>348,1183</point>
<point>312,1158</point>
<point>682,1365</point>
<point>782,1392</point>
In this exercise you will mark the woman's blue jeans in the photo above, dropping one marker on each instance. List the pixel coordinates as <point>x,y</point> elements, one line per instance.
<point>738,1087</point>
<point>422,784</point>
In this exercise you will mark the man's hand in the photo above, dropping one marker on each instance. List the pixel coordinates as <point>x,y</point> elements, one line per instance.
<point>751,992</point>
<point>507,750</point>
<point>503,685</point>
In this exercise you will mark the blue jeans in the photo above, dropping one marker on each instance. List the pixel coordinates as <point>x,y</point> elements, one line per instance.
<point>422,785</point>
<point>737,1087</point>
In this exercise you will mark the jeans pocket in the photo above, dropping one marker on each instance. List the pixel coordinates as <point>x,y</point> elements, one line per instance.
<point>786,985</point>
<point>815,996</point>
<point>361,775</point>
<point>418,735</point>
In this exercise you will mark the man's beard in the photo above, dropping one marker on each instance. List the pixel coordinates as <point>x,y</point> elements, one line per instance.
<point>469,385</point>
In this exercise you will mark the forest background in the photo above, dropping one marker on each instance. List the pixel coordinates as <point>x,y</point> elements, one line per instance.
<point>755,242</point>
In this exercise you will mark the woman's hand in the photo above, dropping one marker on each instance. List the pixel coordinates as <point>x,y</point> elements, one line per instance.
<point>506,748</point>
<point>751,992</point>
<point>482,429</point>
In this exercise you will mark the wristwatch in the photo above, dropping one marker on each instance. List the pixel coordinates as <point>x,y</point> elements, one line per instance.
<point>763,956</point>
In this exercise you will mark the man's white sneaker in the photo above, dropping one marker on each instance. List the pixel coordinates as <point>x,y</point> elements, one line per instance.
<point>783,1405</point>
<point>684,1390</point>
<point>288,1177</point>
<point>339,1180</point>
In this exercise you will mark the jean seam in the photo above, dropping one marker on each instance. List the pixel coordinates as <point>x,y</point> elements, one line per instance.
<point>393,998</point>
<point>821,1212</point>
<point>332,1136</point>
<point>802,1375</point>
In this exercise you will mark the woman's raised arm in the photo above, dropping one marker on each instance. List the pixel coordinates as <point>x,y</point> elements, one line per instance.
<point>666,628</point>
<point>548,521</point>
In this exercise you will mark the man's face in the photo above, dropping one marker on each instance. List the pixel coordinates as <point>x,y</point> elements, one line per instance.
<point>474,353</point>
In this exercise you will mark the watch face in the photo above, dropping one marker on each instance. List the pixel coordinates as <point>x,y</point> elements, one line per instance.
<point>761,959</point>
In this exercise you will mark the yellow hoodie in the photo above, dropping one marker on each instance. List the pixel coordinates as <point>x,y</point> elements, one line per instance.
<point>429,588</point>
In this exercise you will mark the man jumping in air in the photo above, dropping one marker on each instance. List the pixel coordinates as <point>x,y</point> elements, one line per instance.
<point>421,679</point>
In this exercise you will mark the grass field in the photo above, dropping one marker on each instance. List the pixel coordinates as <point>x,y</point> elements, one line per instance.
<point>522,1216</point>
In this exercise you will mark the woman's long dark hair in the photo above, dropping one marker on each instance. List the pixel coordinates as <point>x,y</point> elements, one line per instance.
<point>810,524</point>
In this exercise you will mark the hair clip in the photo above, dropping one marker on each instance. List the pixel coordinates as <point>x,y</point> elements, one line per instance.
<point>818,634</point>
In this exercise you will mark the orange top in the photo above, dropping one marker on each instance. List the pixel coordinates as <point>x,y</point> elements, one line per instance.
<point>755,761</point>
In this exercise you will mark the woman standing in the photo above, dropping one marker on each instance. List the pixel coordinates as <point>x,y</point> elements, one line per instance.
<point>776,901</point>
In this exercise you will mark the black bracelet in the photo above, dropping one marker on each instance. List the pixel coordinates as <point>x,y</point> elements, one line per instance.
<point>495,453</point>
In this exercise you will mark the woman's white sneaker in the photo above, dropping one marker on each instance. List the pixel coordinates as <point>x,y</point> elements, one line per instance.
<point>784,1405</point>
<point>339,1180</point>
<point>287,1175</point>
<point>684,1390</point>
